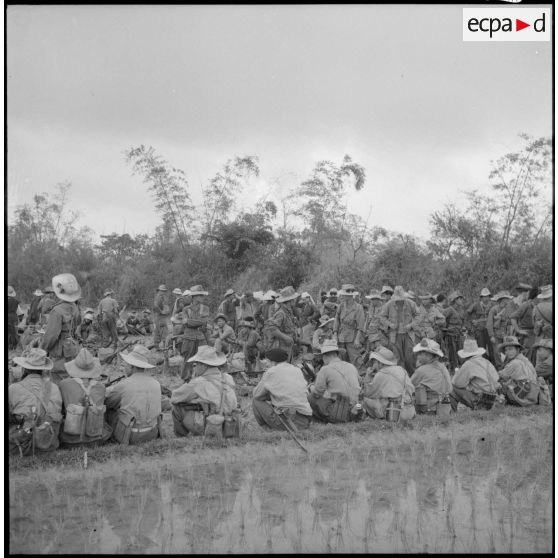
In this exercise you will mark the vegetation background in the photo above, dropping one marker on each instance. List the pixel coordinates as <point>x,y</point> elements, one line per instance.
<point>310,240</point>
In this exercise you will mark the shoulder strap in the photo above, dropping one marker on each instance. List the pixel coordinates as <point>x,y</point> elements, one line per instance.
<point>543,315</point>
<point>41,397</point>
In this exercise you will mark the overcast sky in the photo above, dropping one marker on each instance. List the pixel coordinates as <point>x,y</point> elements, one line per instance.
<point>393,86</point>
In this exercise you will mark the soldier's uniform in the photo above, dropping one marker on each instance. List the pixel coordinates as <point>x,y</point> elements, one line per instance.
<point>349,321</point>
<point>195,318</point>
<point>285,322</point>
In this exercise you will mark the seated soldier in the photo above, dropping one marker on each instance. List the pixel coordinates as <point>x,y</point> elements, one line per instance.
<point>146,323</point>
<point>518,377</point>
<point>324,331</point>
<point>89,331</point>
<point>223,335</point>
<point>134,404</point>
<point>210,391</point>
<point>389,381</point>
<point>83,396</point>
<point>431,378</point>
<point>248,339</point>
<point>35,406</point>
<point>133,324</point>
<point>281,391</point>
<point>545,360</point>
<point>336,389</point>
<point>476,382</point>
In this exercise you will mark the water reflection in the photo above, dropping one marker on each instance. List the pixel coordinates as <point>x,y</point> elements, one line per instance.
<point>490,494</point>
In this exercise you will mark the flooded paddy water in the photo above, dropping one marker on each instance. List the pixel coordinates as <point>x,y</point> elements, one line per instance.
<point>489,493</point>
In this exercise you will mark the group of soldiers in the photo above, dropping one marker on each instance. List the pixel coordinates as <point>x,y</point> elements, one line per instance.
<point>387,355</point>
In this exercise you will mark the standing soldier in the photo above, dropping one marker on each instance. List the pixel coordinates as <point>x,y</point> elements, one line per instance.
<point>228,307</point>
<point>280,331</point>
<point>543,314</point>
<point>34,313</point>
<point>60,338</point>
<point>12,305</point>
<point>267,308</point>
<point>178,304</point>
<point>196,318</point>
<point>455,322</point>
<point>374,325</point>
<point>108,312</point>
<point>309,315</point>
<point>161,311</point>
<point>386,293</point>
<point>431,318</point>
<point>348,326</point>
<point>46,304</point>
<point>478,314</point>
<point>523,326</point>
<point>248,306</point>
<point>497,323</point>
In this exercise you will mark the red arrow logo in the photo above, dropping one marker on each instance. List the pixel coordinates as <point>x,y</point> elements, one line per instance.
<point>519,25</point>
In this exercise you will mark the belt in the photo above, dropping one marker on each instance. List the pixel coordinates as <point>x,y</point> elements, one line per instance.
<point>147,428</point>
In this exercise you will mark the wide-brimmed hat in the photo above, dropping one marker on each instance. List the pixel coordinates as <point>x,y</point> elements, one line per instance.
<point>332,292</point>
<point>66,287</point>
<point>305,295</point>
<point>411,295</point>
<point>398,294</point>
<point>500,295</point>
<point>510,341</point>
<point>470,348</point>
<point>286,294</point>
<point>162,288</point>
<point>11,291</point>
<point>247,323</point>
<point>197,290</point>
<point>221,316</point>
<point>546,343</point>
<point>546,292</point>
<point>138,356</point>
<point>85,365</point>
<point>454,296</point>
<point>186,292</point>
<point>428,296</point>
<point>523,287</point>
<point>348,287</point>
<point>229,292</point>
<point>329,346</point>
<point>383,355</point>
<point>177,291</point>
<point>147,311</point>
<point>277,355</point>
<point>89,314</point>
<point>485,292</point>
<point>428,346</point>
<point>374,294</point>
<point>325,320</point>
<point>34,359</point>
<point>38,292</point>
<point>386,289</point>
<point>108,292</point>
<point>208,355</point>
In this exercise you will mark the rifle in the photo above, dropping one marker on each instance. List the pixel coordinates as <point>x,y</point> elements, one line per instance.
<point>117,379</point>
<point>110,358</point>
<point>289,426</point>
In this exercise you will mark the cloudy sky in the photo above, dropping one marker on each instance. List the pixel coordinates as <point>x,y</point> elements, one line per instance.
<point>393,86</point>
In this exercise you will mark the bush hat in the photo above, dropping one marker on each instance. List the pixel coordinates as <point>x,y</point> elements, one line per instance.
<point>246,323</point>
<point>229,292</point>
<point>332,292</point>
<point>38,292</point>
<point>546,292</point>
<point>383,355</point>
<point>500,295</point>
<point>34,359</point>
<point>523,287</point>
<point>454,296</point>
<point>398,294</point>
<point>197,290</point>
<point>485,292</point>
<point>162,288</point>
<point>147,311</point>
<point>329,346</point>
<point>85,365</point>
<point>348,287</point>
<point>411,295</point>
<point>208,355</point>
<point>546,343</point>
<point>428,346</point>
<point>470,348</point>
<point>108,292</point>
<point>305,295</point>
<point>177,291</point>
<point>277,355</point>
<point>510,341</point>
<point>11,291</point>
<point>221,316</point>
<point>325,320</point>
<point>138,357</point>
<point>386,289</point>
<point>343,292</point>
<point>286,294</point>
<point>428,296</point>
<point>186,292</point>
<point>374,294</point>
<point>66,287</point>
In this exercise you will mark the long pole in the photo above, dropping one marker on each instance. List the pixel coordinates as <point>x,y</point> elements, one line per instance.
<point>288,428</point>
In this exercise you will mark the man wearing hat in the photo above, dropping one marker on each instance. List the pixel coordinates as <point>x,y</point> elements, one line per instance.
<point>248,339</point>
<point>455,323</point>
<point>178,302</point>
<point>283,390</point>
<point>374,323</point>
<point>280,331</point>
<point>330,309</point>
<point>134,404</point>
<point>161,312</point>
<point>60,340</point>
<point>12,304</point>
<point>523,325</point>
<point>386,293</point>
<point>349,324</point>
<point>476,382</point>
<point>431,319</point>
<point>248,306</point>
<point>401,317</point>
<point>84,397</point>
<point>108,313</point>
<point>322,333</point>
<point>46,304</point>
<point>228,307</point>
<point>545,360</point>
<point>478,316</point>
<point>146,322</point>
<point>309,315</point>
<point>34,313</point>
<point>133,323</point>
<point>543,313</point>
<point>431,378</point>
<point>332,296</point>
<point>35,406</point>
<point>389,381</point>
<point>267,308</point>
<point>223,335</point>
<point>498,323</point>
<point>336,389</point>
<point>210,391</point>
<point>196,319</point>
<point>88,331</point>
<point>518,377</point>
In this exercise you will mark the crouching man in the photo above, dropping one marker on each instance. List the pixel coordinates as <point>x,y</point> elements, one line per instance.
<point>282,390</point>
<point>476,382</point>
<point>336,389</point>
<point>211,391</point>
<point>134,404</point>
